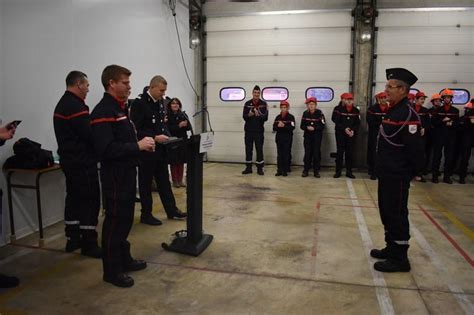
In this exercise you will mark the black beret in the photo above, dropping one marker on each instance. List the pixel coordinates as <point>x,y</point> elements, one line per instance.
<point>402,75</point>
<point>256,88</point>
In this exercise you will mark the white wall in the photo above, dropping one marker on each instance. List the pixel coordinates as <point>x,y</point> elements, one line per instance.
<point>42,40</point>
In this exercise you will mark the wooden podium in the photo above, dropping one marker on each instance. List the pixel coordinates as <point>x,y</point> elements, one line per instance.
<point>192,241</point>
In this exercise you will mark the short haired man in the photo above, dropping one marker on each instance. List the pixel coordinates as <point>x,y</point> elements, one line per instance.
<point>79,164</point>
<point>399,159</point>
<point>255,114</point>
<point>115,141</point>
<point>148,112</point>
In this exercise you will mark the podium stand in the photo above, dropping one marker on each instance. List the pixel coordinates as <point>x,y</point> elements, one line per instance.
<point>192,242</point>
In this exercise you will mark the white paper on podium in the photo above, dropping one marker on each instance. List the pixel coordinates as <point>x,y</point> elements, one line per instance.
<point>207,139</point>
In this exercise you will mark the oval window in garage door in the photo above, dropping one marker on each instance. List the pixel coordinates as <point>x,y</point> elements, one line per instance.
<point>322,94</point>
<point>275,93</point>
<point>461,96</point>
<point>232,94</point>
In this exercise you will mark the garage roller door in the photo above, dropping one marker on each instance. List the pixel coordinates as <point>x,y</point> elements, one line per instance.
<point>295,51</point>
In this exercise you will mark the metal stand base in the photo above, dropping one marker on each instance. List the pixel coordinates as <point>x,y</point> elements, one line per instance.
<point>184,246</point>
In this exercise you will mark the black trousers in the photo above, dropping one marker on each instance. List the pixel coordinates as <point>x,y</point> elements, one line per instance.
<point>444,144</point>
<point>393,207</point>
<point>345,147</point>
<point>157,169</point>
<point>429,139</point>
<point>372,149</point>
<point>251,138</point>
<point>82,203</point>
<point>119,189</point>
<point>283,154</point>
<point>467,142</point>
<point>312,152</point>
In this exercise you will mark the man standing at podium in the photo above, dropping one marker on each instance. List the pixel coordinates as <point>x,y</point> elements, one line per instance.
<point>115,141</point>
<point>148,112</point>
<point>79,164</point>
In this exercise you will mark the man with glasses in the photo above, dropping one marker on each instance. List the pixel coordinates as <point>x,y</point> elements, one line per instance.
<point>399,159</point>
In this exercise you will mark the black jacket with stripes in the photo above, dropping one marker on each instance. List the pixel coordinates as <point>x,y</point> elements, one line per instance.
<point>114,135</point>
<point>73,132</point>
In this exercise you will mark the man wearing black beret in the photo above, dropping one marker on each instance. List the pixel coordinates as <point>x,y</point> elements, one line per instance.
<point>399,159</point>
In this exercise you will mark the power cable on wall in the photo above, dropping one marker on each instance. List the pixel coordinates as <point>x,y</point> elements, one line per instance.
<point>172,4</point>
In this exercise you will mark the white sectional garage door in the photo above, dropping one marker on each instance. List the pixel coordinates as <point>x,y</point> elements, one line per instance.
<point>436,45</point>
<point>295,51</point>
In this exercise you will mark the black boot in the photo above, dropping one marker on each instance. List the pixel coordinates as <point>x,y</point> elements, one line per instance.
<point>447,180</point>
<point>434,179</point>
<point>72,245</point>
<point>148,218</point>
<point>379,253</point>
<point>316,174</point>
<point>89,245</point>
<point>8,281</point>
<point>462,180</point>
<point>120,280</point>
<point>338,174</point>
<point>248,169</point>
<point>393,265</point>
<point>91,250</point>
<point>305,173</point>
<point>260,170</point>
<point>176,214</point>
<point>350,175</point>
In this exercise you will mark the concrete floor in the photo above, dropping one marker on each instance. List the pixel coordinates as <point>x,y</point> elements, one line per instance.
<point>281,246</point>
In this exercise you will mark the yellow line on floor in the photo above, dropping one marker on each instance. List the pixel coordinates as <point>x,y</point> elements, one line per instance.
<point>451,217</point>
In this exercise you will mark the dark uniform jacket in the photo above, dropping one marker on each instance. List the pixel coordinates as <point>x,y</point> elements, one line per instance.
<point>345,119</point>
<point>335,112</point>
<point>375,115</point>
<point>73,132</point>
<point>424,114</point>
<point>114,136</point>
<point>150,120</point>
<point>286,132</point>
<point>315,119</point>
<point>466,124</point>
<point>440,126</point>
<point>255,123</point>
<point>400,150</point>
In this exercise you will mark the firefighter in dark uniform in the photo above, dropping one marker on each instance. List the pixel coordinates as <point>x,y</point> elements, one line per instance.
<point>375,115</point>
<point>283,125</point>
<point>312,123</point>
<point>148,112</point>
<point>79,164</point>
<point>429,134</point>
<point>115,142</point>
<point>467,140</point>
<point>347,123</point>
<point>445,121</point>
<point>424,115</point>
<point>399,159</point>
<point>255,114</point>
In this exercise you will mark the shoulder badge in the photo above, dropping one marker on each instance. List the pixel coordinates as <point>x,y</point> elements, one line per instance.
<point>412,129</point>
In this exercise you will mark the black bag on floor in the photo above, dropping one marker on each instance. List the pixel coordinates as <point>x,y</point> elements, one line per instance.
<point>29,155</point>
